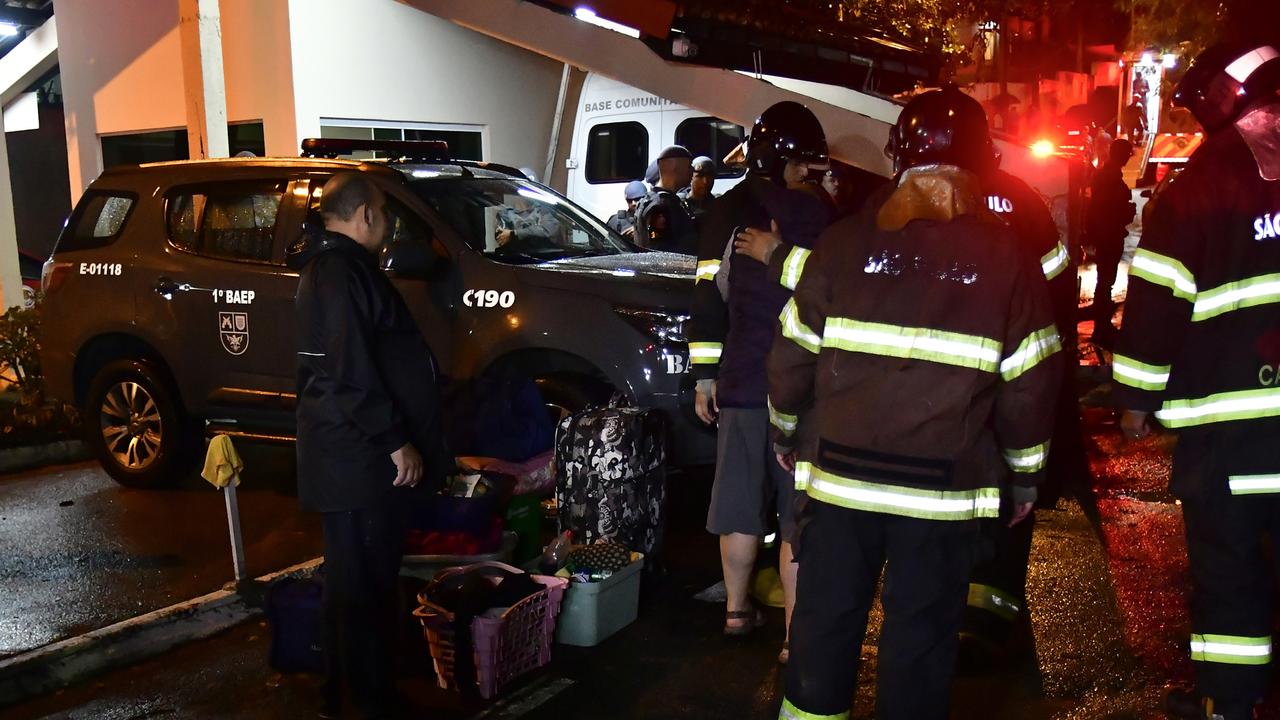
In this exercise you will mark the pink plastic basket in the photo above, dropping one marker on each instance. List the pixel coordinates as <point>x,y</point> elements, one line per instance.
<point>506,647</point>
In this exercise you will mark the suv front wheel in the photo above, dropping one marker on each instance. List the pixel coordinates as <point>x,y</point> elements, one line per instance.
<point>134,425</point>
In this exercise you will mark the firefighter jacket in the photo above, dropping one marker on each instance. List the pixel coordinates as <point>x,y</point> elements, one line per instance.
<point>1201,338</point>
<point>920,352</point>
<point>754,202</point>
<point>1022,208</point>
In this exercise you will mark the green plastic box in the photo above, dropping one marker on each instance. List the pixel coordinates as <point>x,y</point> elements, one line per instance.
<point>593,611</point>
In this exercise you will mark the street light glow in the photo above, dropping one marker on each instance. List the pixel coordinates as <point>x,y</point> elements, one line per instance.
<point>1169,60</point>
<point>8,29</point>
<point>587,15</point>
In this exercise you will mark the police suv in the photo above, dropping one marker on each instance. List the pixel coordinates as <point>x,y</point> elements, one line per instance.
<point>168,310</point>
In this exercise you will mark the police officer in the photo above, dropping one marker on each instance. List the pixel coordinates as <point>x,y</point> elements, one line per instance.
<point>698,195</point>
<point>663,222</point>
<point>920,356</point>
<point>623,222</point>
<point>1199,348</point>
<point>732,388</point>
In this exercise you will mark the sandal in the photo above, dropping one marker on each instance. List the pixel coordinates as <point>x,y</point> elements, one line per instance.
<point>753,616</point>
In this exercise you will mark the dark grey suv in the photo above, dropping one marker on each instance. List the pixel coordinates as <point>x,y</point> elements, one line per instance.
<point>169,309</point>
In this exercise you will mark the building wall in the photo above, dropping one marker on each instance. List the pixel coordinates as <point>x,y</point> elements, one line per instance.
<point>382,60</point>
<point>290,63</point>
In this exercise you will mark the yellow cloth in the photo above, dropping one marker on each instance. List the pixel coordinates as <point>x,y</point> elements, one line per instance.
<point>767,587</point>
<point>933,192</point>
<point>222,464</point>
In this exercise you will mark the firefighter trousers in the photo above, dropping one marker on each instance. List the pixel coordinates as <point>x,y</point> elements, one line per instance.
<point>926,566</point>
<point>1231,593</point>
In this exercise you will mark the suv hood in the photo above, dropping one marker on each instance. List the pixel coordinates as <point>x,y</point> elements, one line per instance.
<point>650,279</point>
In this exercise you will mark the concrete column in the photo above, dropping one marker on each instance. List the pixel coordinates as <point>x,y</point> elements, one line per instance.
<point>10,279</point>
<point>200,26</point>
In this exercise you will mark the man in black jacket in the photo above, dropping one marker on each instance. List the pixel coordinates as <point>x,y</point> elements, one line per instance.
<point>368,412</point>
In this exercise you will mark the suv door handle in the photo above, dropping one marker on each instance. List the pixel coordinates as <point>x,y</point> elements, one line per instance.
<point>166,286</point>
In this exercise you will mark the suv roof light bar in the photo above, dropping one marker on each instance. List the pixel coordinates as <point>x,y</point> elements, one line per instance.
<point>410,150</point>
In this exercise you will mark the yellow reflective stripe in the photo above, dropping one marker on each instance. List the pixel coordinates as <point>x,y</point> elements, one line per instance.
<point>796,331</point>
<point>1221,407</point>
<point>1231,649</point>
<point>784,422</point>
<point>707,270</point>
<point>1250,292</point>
<point>1037,346</point>
<point>1164,271</point>
<point>793,267</point>
<point>994,600</point>
<point>972,351</point>
<point>1027,460</point>
<point>790,712</point>
<point>895,499</point>
<point>1254,484</point>
<point>705,353</point>
<point>1055,261</point>
<point>1143,376</point>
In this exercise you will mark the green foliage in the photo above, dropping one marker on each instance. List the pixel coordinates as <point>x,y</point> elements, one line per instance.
<point>26,416</point>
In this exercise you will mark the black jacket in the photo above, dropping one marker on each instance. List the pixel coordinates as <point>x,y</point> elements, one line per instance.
<point>366,380</point>
<point>663,222</point>
<point>1111,210</point>
<point>1201,338</point>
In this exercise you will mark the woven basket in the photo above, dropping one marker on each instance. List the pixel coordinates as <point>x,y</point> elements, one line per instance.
<point>506,647</point>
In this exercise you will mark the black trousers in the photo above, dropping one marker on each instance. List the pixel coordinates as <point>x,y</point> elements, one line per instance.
<point>1231,594</point>
<point>362,555</point>
<point>926,568</point>
<point>1107,259</point>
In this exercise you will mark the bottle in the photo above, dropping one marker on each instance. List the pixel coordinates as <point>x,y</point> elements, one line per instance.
<point>556,554</point>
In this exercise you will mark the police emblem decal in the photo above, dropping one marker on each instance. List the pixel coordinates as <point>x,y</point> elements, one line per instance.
<point>233,329</point>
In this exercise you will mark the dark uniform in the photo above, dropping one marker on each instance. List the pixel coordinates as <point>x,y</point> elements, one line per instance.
<point>366,387</point>
<point>922,384</point>
<point>1200,348</point>
<point>1111,210</point>
<point>997,588</point>
<point>663,222</point>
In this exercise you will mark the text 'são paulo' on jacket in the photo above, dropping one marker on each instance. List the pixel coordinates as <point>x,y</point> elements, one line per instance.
<point>919,353</point>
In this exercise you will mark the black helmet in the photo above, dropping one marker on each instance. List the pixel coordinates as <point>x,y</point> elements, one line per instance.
<point>942,127</point>
<point>786,131</point>
<point>1224,80</point>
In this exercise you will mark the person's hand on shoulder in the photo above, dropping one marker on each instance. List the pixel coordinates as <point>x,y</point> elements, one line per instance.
<point>758,244</point>
<point>408,466</point>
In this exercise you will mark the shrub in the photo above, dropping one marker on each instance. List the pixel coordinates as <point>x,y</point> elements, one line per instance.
<point>27,417</point>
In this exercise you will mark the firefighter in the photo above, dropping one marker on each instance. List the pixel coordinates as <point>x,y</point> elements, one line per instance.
<point>920,356</point>
<point>1198,350</point>
<point>996,619</point>
<point>749,485</point>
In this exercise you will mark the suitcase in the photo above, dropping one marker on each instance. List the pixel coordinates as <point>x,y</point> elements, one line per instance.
<point>293,612</point>
<point>611,476</point>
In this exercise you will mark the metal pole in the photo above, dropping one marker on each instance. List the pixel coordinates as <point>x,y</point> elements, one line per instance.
<point>555,126</point>
<point>233,526</point>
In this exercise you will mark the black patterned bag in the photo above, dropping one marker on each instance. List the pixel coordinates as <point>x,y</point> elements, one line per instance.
<point>611,476</point>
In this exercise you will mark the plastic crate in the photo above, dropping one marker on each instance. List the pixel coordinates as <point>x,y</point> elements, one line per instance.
<point>594,611</point>
<point>506,647</point>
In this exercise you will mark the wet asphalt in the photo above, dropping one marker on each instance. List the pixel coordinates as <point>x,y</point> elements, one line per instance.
<point>80,552</point>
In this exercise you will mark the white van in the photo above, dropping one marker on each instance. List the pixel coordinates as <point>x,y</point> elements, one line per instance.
<point>620,129</point>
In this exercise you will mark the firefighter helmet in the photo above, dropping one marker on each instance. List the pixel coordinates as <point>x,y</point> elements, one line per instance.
<point>1224,80</point>
<point>942,127</point>
<point>785,132</point>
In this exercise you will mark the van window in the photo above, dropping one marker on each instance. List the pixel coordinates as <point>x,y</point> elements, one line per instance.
<point>617,152</point>
<point>712,137</point>
<point>97,220</point>
<point>230,221</point>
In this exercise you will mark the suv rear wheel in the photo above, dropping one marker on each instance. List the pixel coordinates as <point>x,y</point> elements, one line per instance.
<point>567,395</point>
<point>134,425</point>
